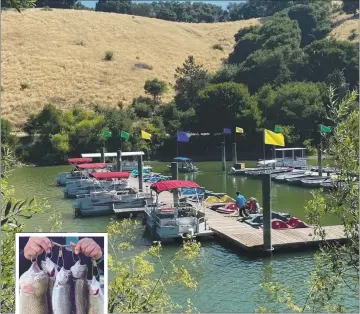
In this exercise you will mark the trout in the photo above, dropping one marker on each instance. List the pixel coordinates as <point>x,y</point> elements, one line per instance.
<point>60,299</point>
<point>33,289</point>
<point>51,269</point>
<point>96,298</point>
<point>81,288</point>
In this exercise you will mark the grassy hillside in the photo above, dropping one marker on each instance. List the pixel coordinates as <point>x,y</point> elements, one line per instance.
<point>57,56</point>
<point>346,27</point>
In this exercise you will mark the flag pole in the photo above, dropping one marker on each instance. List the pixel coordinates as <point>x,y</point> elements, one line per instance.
<point>264,146</point>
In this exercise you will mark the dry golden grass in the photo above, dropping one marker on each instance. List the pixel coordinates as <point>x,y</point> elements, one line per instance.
<point>345,25</point>
<point>57,56</point>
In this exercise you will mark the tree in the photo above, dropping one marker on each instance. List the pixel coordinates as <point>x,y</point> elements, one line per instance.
<point>230,103</point>
<point>337,266</point>
<point>118,6</point>
<point>350,6</point>
<point>155,88</point>
<point>190,79</point>
<point>314,20</point>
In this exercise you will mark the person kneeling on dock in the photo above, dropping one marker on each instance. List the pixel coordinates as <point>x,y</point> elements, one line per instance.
<point>241,203</point>
<point>253,206</point>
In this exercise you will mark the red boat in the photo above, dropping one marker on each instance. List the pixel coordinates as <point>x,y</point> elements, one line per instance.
<point>228,209</point>
<point>293,223</point>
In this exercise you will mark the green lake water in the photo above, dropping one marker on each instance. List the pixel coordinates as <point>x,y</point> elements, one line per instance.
<point>228,281</point>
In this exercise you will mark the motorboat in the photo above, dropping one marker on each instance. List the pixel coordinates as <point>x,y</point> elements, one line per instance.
<point>105,202</point>
<point>98,181</point>
<point>179,220</point>
<point>314,182</point>
<point>271,171</point>
<point>185,165</point>
<point>297,180</point>
<point>293,174</point>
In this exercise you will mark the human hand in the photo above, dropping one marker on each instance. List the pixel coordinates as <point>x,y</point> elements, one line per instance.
<point>89,248</point>
<point>35,246</point>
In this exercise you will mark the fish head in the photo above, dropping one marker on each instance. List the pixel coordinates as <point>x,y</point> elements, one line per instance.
<point>95,287</point>
<point>79,271</point>
<point>63,277</point>
<point>34,281</point>
<point>49,267</point>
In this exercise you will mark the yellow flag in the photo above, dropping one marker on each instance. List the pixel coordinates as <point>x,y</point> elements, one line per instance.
<point>272,138</point>
<point>145,135</point>
<point>239,130</point>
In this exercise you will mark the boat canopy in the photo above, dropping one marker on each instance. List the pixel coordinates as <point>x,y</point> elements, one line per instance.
<point>110,175</point>
<point>182,159</point>
<point>79,160</point>
<point>172,184</point>
<point>123,154</point>
<point>92,166</point>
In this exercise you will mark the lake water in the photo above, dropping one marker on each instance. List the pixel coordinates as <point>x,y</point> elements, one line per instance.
<point>228,281</point>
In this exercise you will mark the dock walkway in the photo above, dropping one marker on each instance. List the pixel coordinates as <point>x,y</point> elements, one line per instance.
<point>249,238</point>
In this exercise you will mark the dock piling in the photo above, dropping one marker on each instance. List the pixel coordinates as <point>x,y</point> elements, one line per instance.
<point>266,198</point>
<point>223,156</point>
<point>118,161</point>
<point>320,159</point>
<point>102,154</point>
<point>140,171</point>
<point>174,176</point>
<point>234,154</point>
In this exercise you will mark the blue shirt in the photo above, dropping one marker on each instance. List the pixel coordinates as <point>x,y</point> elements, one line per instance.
<point>240,201</point>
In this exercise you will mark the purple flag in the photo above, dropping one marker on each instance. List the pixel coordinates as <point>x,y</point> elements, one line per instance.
<point>183,137</point>
<point>227,131</point>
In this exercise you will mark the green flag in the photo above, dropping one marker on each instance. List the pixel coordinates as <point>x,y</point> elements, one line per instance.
<point>324,128</point>
<point>107,133</point>
<point>124,134</point>
<point>278,129</point>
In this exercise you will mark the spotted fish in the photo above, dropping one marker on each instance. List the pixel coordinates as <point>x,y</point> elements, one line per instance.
<point>61,302</point>
<point>96,298</point>
<point>51,269</point>
<point>33,291</point>
<point>81,288</point>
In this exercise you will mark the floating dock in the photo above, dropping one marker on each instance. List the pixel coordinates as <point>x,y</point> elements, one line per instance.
<point>250,239</point>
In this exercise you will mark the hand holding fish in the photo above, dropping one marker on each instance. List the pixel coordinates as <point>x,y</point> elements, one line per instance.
<point>89,248</point>
<point>35,247</point>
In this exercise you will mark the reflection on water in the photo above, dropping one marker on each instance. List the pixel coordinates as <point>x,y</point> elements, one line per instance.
<point>227,280</point>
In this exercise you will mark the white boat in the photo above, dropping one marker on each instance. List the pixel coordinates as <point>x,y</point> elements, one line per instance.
<point>98,181</point>
<point>105,202</point>
<point>171,221</point>
<point>293,174</point>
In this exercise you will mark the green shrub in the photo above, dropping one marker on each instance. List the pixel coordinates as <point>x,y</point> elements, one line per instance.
<point>46,9</point>
<point>80,43</point>
<point>218,47</point>
<point>143,66</point>
<point>24,85</point>
<point>353,34</point>
<point>109,55</point>
<point>142,110</point>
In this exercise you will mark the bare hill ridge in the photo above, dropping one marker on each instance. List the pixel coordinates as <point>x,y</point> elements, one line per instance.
<point>57,56</point>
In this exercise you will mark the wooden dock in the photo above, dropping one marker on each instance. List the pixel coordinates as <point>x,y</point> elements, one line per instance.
<point>250,239</point>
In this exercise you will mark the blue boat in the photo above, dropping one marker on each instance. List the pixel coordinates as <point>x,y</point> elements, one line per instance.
<point>185,165</point>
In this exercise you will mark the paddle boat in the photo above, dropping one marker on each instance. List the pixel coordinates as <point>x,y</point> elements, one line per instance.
<point>292,223</point>
<point>105,202</point>
<point>171,221</point>
<point>98,181</point>
<point>256,220</point>
<point>185,165</point>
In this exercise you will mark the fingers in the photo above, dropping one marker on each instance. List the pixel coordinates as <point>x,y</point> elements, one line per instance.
<point>89,248</point>
<point>35,246</point>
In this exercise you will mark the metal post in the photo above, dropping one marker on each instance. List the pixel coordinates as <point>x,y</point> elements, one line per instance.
<point>266,198</point>
<point>223,156</point>
<point>102,154</point>
<point>320,159</point>
<point>118,160</point>
<point>234,154</point>
<point>140,171</point>
<point>175,175</point>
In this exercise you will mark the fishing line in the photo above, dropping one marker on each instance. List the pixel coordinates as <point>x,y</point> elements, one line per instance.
<point>34,261</point>
<point>62,257</point>
<point>94,265</point>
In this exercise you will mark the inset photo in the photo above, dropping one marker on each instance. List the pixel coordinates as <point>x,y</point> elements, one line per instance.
<point>61,273</point>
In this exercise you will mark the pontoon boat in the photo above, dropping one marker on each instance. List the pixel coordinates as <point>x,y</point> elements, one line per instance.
<point>185,165</point>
